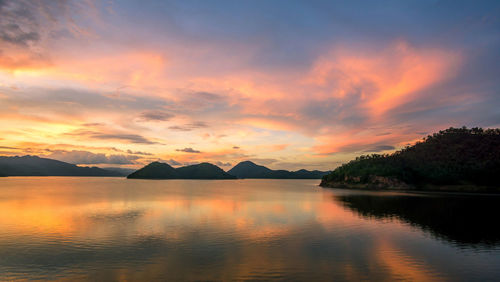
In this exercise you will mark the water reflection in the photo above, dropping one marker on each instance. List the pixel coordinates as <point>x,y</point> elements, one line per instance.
<point>112,229</point>
<point>464,220</point>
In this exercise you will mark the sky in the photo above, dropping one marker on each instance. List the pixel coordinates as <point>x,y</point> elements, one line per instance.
<point>286,84</point>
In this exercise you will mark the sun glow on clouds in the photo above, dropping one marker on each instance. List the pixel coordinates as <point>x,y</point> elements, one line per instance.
<point>379,82</point>
<point>386,78</point>
<point>129,68</point>
<point>160,90</point>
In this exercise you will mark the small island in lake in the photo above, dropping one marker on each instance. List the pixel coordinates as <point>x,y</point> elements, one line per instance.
<point>158,170</point>
<point>248,169</point>
<point>455,159</point>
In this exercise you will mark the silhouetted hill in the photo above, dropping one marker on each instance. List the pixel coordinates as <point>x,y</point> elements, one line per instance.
<point>35,166</point>
<point>203,171</point>
<point>157,170</point>
<point>248,169</point>
<point>464,159</point>
<point>310,174</point>
<point>122,171</point>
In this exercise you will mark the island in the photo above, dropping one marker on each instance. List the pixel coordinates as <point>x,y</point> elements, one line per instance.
<point>248,169</point>
<point>455,159</point>
<point>159,170</point>
<point>36,166</point>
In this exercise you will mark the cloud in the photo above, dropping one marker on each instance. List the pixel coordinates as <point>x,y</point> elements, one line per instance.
<point>279,147</point>
<point>9,148</point>
<point>380,148</point>
<point>126,137</point>
<point>130,138</point>
<point>188,150</point>
<point>386,133</point>
<point>20,28</point>
<point>12,33</point>
<point>376,80</point>
<point>173,162</point>
<point>180,128</point>
<point>294,166</point>
<point>262,161</point>
<point>155,116</point>
<point>76,102</point>
<point>349,142</point>
<point>190,163</point>
<point>385,78</point>
<point>85,157</point>
<point>198,124</point>
<point>92,124</point>
<point>207,96</point>
<point>189,126</point>
<point>139,153</point>
<point>219,163</point>
<point>27,29</point>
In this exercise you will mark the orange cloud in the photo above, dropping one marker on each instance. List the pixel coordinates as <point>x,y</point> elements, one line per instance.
<point>386,78</point>
<point>19,60</point>
<point>130,68</point>
<point>355,138</point>
<point>267,123</point>
<point>247,107</point>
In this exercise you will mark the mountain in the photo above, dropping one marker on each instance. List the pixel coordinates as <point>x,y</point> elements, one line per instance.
<point>35,166</point>
<point>122,171</point>
<point>203,171</point>
<point>157,170</point>
<point>457,159</point>
<point>312,174</point>
<point>248,169</point>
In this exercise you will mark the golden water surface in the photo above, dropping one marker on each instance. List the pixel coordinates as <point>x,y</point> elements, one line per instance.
<point>71,228</point>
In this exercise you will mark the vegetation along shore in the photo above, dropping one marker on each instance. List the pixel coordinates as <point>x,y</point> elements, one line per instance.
<point>455,159</point>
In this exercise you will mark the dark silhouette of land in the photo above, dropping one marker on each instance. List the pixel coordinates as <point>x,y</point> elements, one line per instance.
<point>248,169</point>
<point>35,166</point>
<point>158,170</point>
<point>122,171</point>
<point>464,220</point>
<point>455,159</point>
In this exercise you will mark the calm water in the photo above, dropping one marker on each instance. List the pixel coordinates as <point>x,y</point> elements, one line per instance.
<point>118,229</point>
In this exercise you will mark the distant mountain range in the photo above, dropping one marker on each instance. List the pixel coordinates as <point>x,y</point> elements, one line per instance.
<point>157,170</point>
<point>122,171</point>
<point>36,166</point>
<point>248,169</point>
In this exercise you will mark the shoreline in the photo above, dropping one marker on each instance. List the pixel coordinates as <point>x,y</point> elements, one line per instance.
<point>427,189</point>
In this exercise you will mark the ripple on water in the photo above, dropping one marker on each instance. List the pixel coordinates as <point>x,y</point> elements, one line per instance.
<point>111,229</point>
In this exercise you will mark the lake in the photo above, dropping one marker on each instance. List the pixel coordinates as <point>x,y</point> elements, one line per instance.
<point>106,229</point>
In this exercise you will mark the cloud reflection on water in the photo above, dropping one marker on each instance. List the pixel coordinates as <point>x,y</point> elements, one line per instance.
<point>110,228</point>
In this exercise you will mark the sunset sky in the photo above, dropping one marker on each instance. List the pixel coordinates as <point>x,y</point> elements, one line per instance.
<point>287,84</point>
